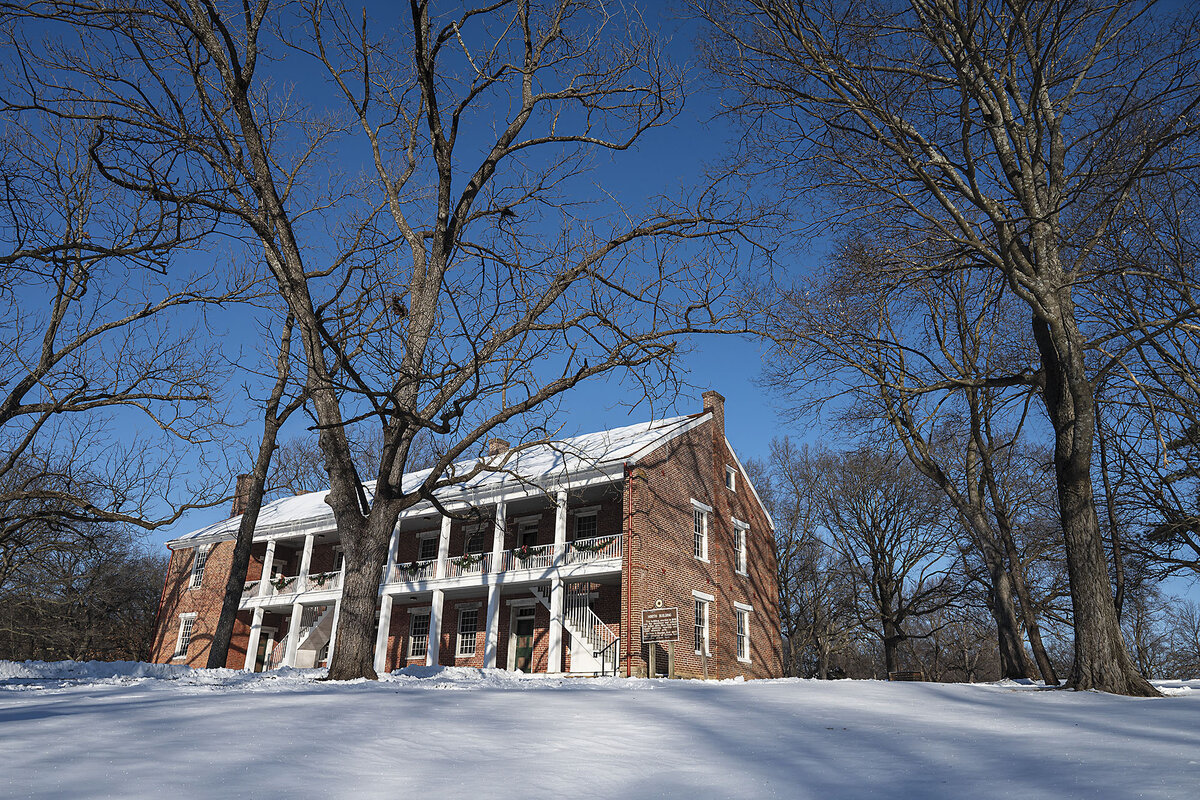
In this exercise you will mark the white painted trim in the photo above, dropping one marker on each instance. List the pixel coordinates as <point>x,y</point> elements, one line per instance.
<point>584,511</point>
<point>743,606</point>
<point>737,523</point>
<point>521,602</point>
<point>702,596</point>
<point>731,474</point>
<point>468,606</point>
<point>679,430</point>
<point>526,519</point>
<point>748,611</point>
<point>701,506</point>
<point>192,615</point>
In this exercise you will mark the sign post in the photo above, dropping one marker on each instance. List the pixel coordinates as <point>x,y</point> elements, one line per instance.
<point>660,625</point>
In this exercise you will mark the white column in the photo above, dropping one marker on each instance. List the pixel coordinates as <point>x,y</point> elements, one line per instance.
<point>381,638</point>
<point>556,626</point>
<point>556,584</point>
<point>435,628</point>
<point>264,583</point>
<point>252,643</point>
<point>491,629</point>
<point>393,549</point>
<point>498,537</point>
<point>337,609</point>
<point>443,562</point>
<point>289,657</point>
<point>305,564</point>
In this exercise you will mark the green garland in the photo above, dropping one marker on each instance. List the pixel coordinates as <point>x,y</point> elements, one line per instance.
<point>282,582</point>
<point>594,547</point>
<point>468,560</point>
<point>412,568</point>
<point>321,578</point>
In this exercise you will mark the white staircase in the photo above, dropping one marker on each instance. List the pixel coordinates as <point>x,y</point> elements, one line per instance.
<point>316,627</point>
<point>594,645</point>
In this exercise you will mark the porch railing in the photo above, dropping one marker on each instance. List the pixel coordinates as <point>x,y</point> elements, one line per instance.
<point>536,557</point>
<point>414,571</point>
<point>597,548</point>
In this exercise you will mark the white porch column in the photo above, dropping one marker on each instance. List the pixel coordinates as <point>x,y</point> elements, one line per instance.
<point>293,642</point>
<point>556,585</point>
<point>305,564</point>
<point>443,562</point>
<point>381,638</point>
<point>491,624</point>
<point>498,537</point>
<point>252,642</point>
<point>433,651</point>
<point>264,583</point>
<point>337,610</point>
<point>393,549</point>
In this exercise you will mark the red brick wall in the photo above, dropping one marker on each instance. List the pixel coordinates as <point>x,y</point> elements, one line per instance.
<point>692,466</point>
<point>205,602</point>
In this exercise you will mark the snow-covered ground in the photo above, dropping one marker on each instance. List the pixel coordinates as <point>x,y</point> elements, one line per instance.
<point>151,731</point>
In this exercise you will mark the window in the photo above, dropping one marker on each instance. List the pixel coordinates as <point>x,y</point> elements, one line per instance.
<point>527,533</point>
<point>742,614</point>
<point>199,560</point>
<point>468,626</point>
<point>418,635</point>
<point>740,529</point>
<point>701,626</point>
<point>474,543</point>
<point>700,530</point>
<point>730,478</point>
<point>427,548</point>
<point>585,525</point>
<point>186,623</point>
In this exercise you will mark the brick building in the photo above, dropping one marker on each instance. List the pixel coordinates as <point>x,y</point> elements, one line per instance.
<point>545,566</point>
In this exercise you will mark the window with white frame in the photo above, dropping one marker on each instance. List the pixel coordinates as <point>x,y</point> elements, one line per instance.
<point>199,560</point>
<point>700,530</point>
<point>741,614</point>
<point>730,478</point>
<point>427,547</point>
<point>474,542</point>
<point>740,533</point>
<point>527,533</point>
<point>701,625</point>
<point>586,526</point>
<point>186,623</point>
<point>468,628</point>
<point>418,635</point>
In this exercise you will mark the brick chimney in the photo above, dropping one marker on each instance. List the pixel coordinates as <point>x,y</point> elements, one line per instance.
<point>496,446</point>
<point>241,495</point>
<point>714,401</point>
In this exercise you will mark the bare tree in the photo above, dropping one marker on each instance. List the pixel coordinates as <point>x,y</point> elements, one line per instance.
<point>893,532</point>
<point>459,285</point>
<point>1009,134</point>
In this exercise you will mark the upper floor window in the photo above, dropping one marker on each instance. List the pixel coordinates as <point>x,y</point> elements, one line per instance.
<point>740,531</point>
<point>427,548</point>
<point>527,533</point>
<point>730,478</point>
<point>474,543</point>
<point>586,525</point>
<point>700,530</point>
<point>199,560</point>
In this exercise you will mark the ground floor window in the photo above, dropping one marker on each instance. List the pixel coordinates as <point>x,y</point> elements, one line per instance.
<point>186,623</point>
<point>468,627</point>
<point>418,635</point>
<point>701,626</point>
<point>742,615</point>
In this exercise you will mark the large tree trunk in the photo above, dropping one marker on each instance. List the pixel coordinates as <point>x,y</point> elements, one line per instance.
<point>1014,663</point>
<point>218,652</point>
<point>1101,659</point>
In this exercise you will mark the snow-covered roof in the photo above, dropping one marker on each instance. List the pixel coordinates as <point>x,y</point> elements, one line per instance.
<point>547,465</point>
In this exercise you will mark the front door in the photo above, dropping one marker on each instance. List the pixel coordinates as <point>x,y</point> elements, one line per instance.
<point>265,642</point>
<point>524,640</point>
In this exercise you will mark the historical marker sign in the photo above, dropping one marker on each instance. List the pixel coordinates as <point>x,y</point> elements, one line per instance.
<point>660,625</point>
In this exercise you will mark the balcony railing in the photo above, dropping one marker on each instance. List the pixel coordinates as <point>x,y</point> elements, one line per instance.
<point>538,557</point>
<point>292,584</point>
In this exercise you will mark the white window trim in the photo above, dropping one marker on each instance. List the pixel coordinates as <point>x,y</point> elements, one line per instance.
<point>424,536</point>
<point>742,556</point>
<point>749,612</point>
<point>179,636</point>
<point>708,601</point>
<point>705,511</point>
<point>474,638</point>
<point>425,612</point>
<point>206,549</point>
<point>579,513</point>
<point>730,478</point>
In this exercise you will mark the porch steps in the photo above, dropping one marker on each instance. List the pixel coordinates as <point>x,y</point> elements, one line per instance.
<point>590,636</point>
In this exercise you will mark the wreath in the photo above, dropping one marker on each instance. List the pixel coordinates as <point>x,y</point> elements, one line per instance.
<point>524,553</point>
<point>468,560</point>
<point>281,582</point>
<point>592,547</point>
<point>411,568</point>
